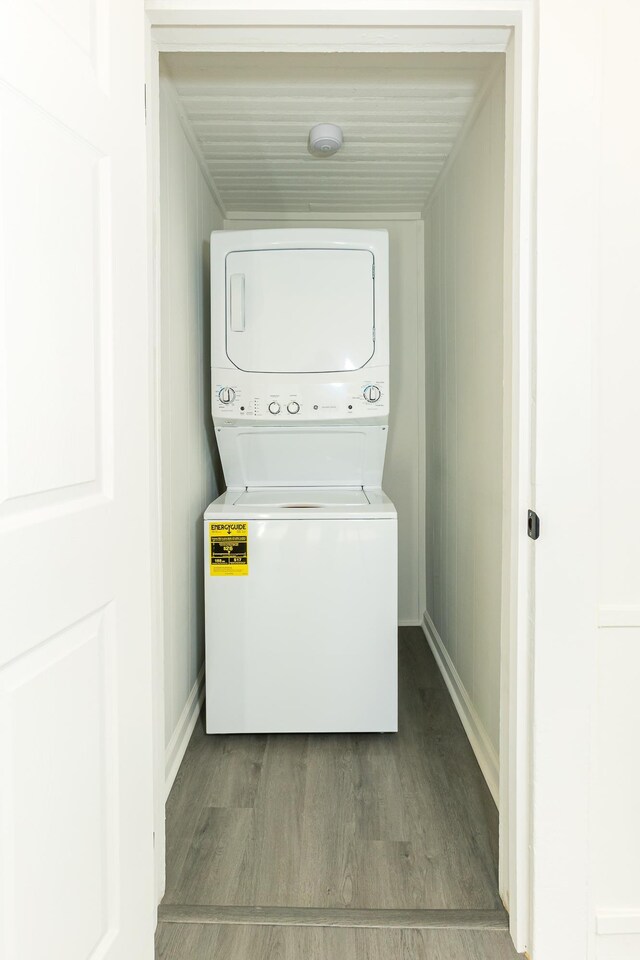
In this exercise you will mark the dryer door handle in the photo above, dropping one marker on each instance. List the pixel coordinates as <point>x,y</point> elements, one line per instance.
<point>236,305</point>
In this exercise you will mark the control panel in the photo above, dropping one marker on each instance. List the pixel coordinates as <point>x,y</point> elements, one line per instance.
<point>260,398</point>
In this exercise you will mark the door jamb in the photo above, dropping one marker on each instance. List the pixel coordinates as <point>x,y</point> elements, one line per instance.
<point>152,119</point>
<point>450,27</point>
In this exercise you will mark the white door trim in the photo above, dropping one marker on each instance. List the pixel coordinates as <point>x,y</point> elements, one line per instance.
<point>319,217</point>
<point>152,112</point>
<point>516,713</point>
<point>448,26</point>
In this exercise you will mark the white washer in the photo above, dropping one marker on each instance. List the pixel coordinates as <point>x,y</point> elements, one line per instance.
<point>307,640</point>
<point>300,552</point>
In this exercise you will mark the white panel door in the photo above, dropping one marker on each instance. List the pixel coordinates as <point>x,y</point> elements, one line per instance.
<point>300,311</point>
<point>76,857</point>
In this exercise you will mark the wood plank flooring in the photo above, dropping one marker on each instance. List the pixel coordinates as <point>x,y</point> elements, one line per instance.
<point>366,822</point>
<point>176,941</point>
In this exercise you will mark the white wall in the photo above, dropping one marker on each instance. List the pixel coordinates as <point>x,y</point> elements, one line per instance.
<point>402,474</point>
<point>188,482</point>
<point>616,767</point>
<point>586,785</point>
<point>464,409</point>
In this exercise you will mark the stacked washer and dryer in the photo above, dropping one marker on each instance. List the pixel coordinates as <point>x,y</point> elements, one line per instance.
<point>301,550</point>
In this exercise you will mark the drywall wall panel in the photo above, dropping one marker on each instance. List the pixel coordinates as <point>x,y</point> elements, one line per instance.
<point>615,821</point>
<point>402,467</point>
<point>464,408</point>
<point>188,215</point>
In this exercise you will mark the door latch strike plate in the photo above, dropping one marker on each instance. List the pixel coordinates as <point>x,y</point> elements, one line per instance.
<point>533,524</point>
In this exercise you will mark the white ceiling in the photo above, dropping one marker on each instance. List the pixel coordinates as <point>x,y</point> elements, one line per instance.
<point>400,114</point>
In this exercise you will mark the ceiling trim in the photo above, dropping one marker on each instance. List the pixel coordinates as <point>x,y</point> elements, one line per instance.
<point>313,215</point>
<point>223,37</point>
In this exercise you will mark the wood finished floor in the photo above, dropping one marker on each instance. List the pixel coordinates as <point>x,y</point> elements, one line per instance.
<point>341,822</point>
<point>177,941</point>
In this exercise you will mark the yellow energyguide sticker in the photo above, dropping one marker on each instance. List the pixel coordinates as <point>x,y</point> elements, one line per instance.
<point>229,549</point>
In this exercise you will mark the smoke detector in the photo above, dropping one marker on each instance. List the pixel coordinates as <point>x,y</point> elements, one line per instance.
<point>325,139</point>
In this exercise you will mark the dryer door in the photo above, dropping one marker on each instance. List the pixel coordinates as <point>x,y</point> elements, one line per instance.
<point>300,310</point>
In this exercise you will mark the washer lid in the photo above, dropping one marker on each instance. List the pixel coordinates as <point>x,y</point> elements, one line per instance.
<point>303,497</point>
<point>302,503</point>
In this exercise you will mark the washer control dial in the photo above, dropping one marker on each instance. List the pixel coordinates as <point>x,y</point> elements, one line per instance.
<point>371,393</point>
<point>274,407</point>
<point>293,407</point>
<point>226,395</point>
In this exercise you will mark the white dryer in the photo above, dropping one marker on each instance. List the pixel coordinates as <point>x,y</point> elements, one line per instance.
<point>300,552</point>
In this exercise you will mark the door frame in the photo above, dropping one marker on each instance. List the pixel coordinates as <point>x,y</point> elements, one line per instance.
<point>450,26</point>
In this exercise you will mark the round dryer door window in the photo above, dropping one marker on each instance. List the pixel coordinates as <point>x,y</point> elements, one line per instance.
<point>300,310</point>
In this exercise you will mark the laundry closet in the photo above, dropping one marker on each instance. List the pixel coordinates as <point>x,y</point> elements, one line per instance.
<point>423,164</point>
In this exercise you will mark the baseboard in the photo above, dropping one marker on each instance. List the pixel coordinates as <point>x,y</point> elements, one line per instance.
<point>410,623</point>
<point>478,738</point>
<point>177,746</point>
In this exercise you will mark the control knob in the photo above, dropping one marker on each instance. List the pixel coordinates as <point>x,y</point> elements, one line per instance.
<point>293,407</point>
<point>274,407</point>
<point>226,395</point>
<point>371,393</point>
